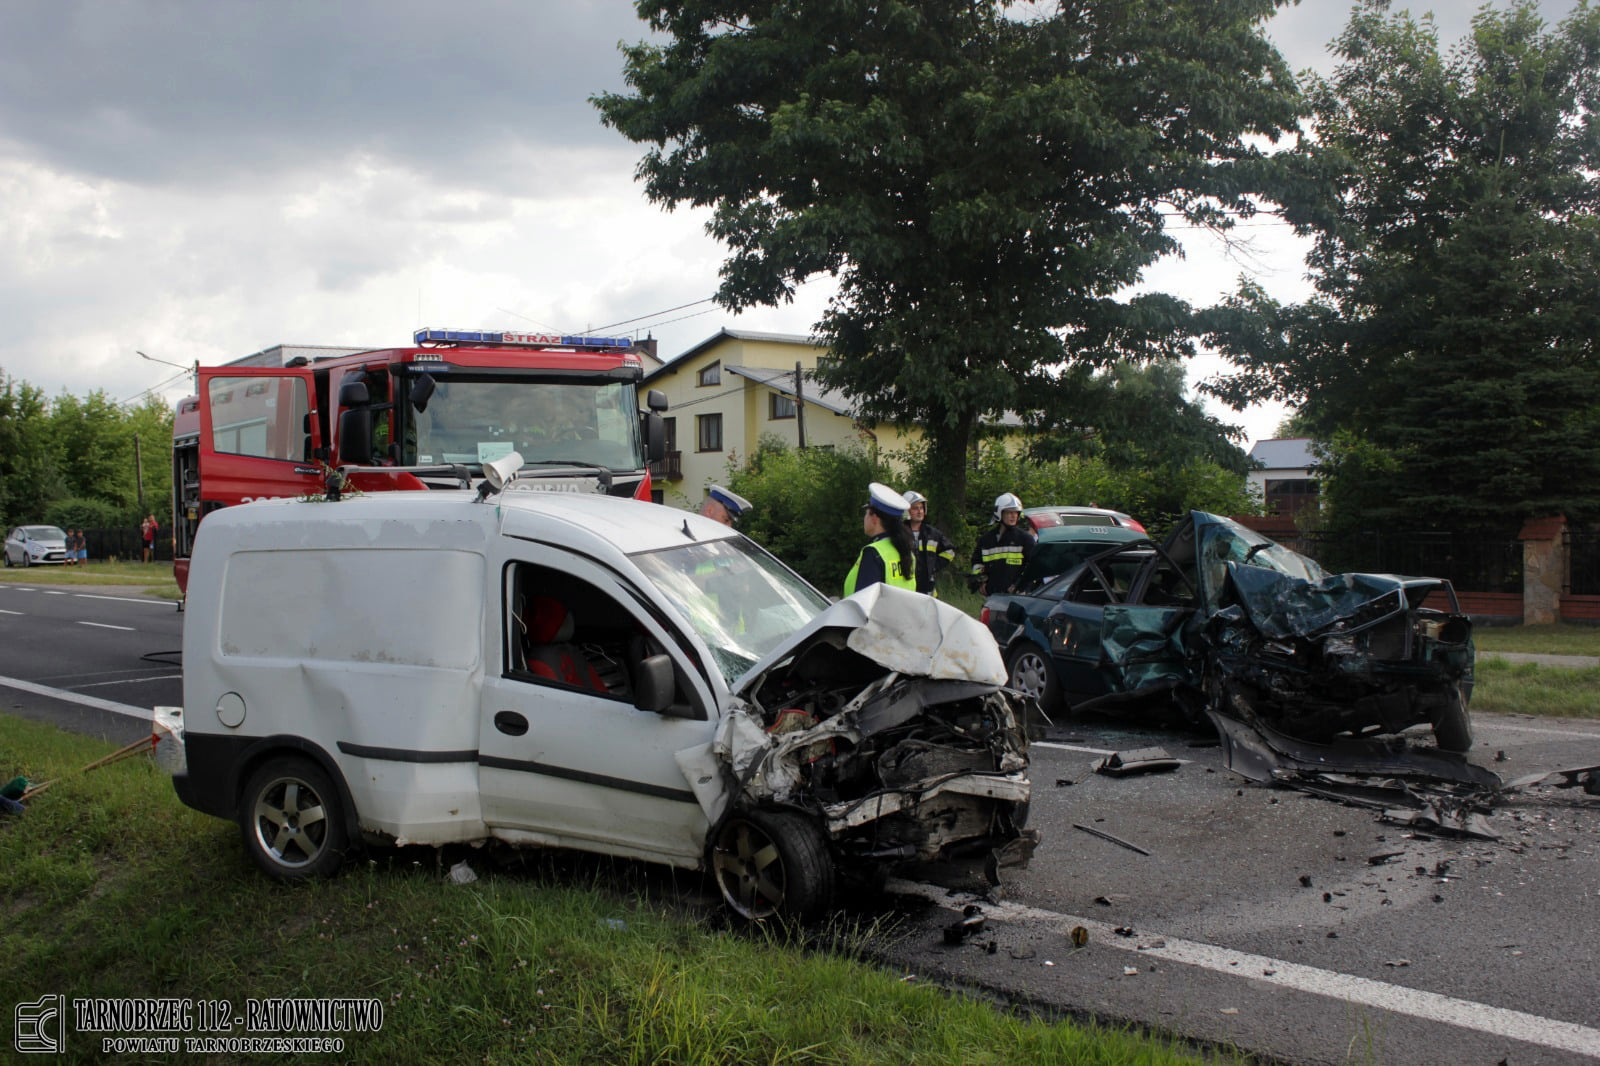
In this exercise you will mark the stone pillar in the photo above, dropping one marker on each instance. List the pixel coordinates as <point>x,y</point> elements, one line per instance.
<point>1544,569</point>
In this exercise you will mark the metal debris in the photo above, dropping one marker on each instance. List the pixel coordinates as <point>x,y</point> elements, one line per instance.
<point>1107,836</point>
<point>1137,761</point>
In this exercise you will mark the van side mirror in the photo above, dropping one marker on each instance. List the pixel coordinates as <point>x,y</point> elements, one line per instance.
<point>656,400</point>
<point>654,686</point>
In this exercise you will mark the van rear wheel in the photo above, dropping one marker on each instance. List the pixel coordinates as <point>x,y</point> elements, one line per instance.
<point>292,820</point>
<point>773,864</point>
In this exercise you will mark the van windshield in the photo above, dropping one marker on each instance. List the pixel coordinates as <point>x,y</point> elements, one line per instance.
<point>741,601</point>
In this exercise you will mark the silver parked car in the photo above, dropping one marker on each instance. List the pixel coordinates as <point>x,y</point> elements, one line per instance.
<point>33,545</point>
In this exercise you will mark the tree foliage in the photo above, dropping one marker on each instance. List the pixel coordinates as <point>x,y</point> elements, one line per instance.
<point>1447,359</point>
<point>82,449</point>
<point>984,182</point>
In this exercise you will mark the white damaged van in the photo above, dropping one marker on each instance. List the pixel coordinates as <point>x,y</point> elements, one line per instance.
<point>579,671</point>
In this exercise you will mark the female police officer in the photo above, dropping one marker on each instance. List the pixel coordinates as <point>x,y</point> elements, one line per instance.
<point>889,556</point>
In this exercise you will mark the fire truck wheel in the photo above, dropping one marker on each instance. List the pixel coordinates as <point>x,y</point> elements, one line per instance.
<point>293,824</point>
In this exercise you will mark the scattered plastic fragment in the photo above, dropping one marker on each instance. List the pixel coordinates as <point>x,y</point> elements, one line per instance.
<point>1129,971</point>
<point>1080,936</point>
<point>462,874</point>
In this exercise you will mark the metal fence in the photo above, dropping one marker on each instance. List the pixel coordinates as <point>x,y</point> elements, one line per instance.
<point>1583,564</point>
<point>1470,563</point>
<point>125,544</point>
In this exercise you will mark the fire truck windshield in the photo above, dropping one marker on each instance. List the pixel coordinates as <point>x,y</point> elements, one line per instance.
<point>472,420</point>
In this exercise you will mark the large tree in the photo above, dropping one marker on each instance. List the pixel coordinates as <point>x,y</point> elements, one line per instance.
<point>985,181</point>
<point>1448,355</point>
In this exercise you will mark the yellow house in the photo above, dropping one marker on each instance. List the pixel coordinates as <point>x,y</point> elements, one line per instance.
<point>733,388</point>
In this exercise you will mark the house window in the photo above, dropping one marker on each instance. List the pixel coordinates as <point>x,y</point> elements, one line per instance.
<point>780,406</point>
<point>671,427</point>
<point>708,433</point>
<point>712,375</point>
<point>1288,496</point>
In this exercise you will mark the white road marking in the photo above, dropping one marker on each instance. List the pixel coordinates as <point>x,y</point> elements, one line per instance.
<point>106,625</point>
<point>2,611</point>
<point>123,599</point>
<point>73,697</point>
<point>52,592</point>
<point>127,681</point>
<point>1429,1006</point>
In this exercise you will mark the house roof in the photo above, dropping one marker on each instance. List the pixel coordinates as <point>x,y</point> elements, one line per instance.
<point>1284,453</point>
<point>783,381</point>
<point>684,358</point>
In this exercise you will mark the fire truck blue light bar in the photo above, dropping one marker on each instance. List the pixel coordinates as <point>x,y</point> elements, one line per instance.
<point>505,338</point>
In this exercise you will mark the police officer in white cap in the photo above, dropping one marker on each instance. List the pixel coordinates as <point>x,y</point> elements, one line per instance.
<point>890,556</point>
<point>723,506</point>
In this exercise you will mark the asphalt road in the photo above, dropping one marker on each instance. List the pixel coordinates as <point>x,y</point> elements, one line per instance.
<point>1261,918</point>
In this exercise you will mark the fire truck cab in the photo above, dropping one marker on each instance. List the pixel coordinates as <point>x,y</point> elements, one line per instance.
<point>281,422</point>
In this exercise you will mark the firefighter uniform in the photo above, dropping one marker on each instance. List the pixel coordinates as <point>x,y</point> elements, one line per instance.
<point>935,551</point>
<point>999,557</point>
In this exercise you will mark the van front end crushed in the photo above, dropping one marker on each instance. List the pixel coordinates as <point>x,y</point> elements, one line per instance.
<point>905,769</point>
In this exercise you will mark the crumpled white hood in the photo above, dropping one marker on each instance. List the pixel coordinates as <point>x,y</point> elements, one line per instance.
<point>902,631</point>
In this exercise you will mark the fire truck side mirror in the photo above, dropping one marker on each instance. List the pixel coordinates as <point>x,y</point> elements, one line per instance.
<point>656,400</point>
<point>422,391</point>
<point>355,436</point>
<point>655,437</point>
<point>355,424</point>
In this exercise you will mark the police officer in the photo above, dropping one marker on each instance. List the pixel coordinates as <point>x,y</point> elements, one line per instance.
<point>1003,550</point>
<point>890,556</point>
<point>935,551</point>
<point>722,505</point>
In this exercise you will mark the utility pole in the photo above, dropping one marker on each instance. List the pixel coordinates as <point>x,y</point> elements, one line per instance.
<point>138,471</point>
<point>799,406</point>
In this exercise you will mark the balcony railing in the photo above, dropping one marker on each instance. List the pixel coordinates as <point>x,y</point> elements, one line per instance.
<point>668,468</point>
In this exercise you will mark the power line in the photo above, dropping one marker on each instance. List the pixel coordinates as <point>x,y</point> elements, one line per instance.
<point>668,311</point>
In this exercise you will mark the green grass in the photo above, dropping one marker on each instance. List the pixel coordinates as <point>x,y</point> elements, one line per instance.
<point>113,888</point>
<point>1542,691</point>
<point>1558,639</point>
<point>152,579</point>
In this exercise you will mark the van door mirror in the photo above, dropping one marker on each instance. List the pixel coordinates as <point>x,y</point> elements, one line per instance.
<point>656,400</point>
<point>655,685</point>
<point>422,391</point>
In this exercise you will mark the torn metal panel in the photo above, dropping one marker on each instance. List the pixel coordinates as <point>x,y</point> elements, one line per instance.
<point>1255,750</point>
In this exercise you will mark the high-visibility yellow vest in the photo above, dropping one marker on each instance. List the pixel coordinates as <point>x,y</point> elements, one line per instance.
<point>891,567</point>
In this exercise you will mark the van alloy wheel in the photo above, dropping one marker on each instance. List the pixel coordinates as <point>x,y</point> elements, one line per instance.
<point>773,864</point>
<point>292,820</point>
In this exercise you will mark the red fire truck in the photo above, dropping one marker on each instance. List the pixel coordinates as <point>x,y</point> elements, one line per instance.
<point>284,421</point>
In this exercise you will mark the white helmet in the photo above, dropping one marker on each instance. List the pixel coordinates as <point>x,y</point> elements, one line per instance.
<point>1006,501</point>
<point>915,497</point>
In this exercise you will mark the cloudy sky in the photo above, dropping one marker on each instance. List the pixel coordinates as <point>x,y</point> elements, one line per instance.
<point>200,179</point>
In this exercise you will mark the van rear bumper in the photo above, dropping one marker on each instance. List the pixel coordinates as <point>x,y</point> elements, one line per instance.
<point>210,782</point>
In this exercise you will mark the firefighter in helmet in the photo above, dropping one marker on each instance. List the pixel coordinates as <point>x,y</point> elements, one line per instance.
<point>935,551</point>
<point>1004,549</point>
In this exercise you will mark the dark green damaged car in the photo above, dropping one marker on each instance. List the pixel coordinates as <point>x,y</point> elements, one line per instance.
<point>1220,619</point>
